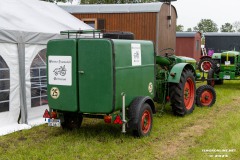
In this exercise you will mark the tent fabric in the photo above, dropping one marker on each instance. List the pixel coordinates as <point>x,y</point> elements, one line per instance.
<point>26,27</point>
<point>36,16</point>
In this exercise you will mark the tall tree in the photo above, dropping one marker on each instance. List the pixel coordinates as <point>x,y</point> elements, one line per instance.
<point>179,28</point>
<point>206,25</point>
<point>227,27</point>
<point>236,26</point>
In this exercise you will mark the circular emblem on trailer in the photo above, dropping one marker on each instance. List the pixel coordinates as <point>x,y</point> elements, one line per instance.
<point>150,87</point>
<point>54,92</point>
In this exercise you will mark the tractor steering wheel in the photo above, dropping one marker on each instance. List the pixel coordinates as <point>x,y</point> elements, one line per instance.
<point>167,54</point>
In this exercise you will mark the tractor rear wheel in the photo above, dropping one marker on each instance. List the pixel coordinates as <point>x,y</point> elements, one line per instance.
<point>206,96</point>
<point>72,121</point>
<point>182,95</point>
<point>205,64</point>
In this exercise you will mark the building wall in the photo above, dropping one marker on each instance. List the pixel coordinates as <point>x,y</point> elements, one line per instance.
<point>146,26</point>
<point>143,25</point>
<point>186,46</point>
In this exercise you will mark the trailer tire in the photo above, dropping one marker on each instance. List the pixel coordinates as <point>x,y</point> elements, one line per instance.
<point>206,96</point>
<point>140,116</point>
<point>72,121</point>
<point>182,95</point>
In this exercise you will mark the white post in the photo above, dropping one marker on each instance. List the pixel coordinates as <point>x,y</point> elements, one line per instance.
<point>123,114</point>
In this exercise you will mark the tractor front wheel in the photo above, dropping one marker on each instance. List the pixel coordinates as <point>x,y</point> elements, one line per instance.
<point>182,95</point>
<point>206,96</point>
<point>210,78</point>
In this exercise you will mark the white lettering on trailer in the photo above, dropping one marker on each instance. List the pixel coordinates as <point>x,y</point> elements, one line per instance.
<point>136,54</point>
<point>60,70</point>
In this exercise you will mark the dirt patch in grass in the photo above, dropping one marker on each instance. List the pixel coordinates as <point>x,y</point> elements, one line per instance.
<point>185,138</point>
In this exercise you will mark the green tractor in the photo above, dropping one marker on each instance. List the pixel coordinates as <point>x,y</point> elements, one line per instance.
<point>119,81</point>
<point>226,66</point>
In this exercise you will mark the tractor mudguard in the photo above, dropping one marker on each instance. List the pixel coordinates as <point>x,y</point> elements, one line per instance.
<point>176,72</point>
<point>205,57</point>
<point>135,107</point>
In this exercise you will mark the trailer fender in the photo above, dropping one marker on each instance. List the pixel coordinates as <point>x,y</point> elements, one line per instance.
<point>135,107</point>
<point>176,72</point>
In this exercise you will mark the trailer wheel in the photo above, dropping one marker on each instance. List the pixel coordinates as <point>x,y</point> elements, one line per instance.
<point>182,95</point>
<point>140,115</point>
<point>210,78</point>
<point>144,124</point>
<point>206,96</point>
<point>72,121</point>
<point>205,64</point>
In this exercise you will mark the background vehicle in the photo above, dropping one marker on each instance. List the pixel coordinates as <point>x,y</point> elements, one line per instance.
<point>226,67</point>
<point>118,81</point>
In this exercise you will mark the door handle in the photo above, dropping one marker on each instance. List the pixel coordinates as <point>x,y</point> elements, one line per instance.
<point>81,72</point>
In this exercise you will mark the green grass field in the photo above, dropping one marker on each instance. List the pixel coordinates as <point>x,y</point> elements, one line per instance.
<point>207,133</point>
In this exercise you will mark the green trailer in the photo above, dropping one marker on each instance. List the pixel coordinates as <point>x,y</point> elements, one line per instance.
<point>117,80</point>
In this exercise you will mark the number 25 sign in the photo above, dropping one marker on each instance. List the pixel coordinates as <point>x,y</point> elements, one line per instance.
<point>55,92</point>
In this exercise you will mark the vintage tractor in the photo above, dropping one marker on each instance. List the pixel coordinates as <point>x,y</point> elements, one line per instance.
<point>119,81</point>
<point>226,66</point>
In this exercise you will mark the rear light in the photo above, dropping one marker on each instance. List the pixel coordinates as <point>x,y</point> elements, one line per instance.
<point>107,119</point>
<point>54,115</point>
<point>118,120</point>
<point>46,114</point>
<point>168,98</point>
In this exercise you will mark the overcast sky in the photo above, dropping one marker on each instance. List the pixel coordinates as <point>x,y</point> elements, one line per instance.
<point>190,12</point>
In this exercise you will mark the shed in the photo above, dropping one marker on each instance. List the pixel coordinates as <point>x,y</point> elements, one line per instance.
<point>218,42</point>
<point>148,21</point>
<point>188,44</point>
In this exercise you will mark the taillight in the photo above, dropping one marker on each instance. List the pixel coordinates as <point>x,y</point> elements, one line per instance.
<point>54,115</point>
<point>46,114</point>
<point>107,119</point>
<point>118,120</point>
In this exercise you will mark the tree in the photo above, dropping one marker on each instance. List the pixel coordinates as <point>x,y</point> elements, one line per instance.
<point>236,26</point>
<point>189,30</point>
<point>227,27</point>
<point>179,28</point>
<point>206,25</point>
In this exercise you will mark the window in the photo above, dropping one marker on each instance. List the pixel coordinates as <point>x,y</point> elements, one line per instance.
<point>96,23</point>
<point>4,85</point>
<point>39,80</point>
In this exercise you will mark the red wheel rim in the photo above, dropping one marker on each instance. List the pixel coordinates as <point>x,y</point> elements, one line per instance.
<point>189,93</point>
<point>206,65</point>
<point>206,98</point>
<point>146,121</point>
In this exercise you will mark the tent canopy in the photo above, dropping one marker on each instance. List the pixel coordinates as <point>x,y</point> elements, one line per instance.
<point>36,16</point>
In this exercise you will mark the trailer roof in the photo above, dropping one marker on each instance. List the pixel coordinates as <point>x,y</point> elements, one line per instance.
<point>113,8</point>
<point>186,34</point>
<point>216,34</point>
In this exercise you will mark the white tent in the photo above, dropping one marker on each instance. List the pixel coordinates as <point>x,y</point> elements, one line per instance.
<point>25,28</point>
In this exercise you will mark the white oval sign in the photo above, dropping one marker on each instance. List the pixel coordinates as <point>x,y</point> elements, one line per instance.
<point>54,92</point>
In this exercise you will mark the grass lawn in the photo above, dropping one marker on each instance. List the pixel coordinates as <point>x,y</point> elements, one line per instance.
<point>207,133</point>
